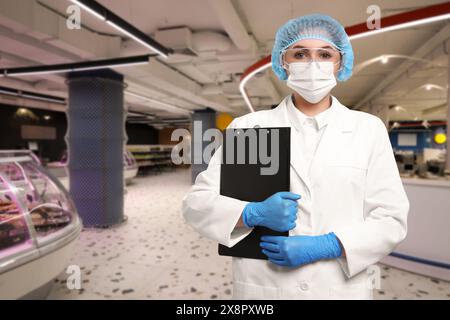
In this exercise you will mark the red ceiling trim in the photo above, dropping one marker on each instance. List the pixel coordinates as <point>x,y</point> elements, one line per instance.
<point>405,17</point>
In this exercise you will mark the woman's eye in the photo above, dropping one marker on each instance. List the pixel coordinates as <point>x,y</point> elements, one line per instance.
<point>325,55</point>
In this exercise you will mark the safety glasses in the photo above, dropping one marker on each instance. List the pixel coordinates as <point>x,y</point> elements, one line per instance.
<point>310,54</point>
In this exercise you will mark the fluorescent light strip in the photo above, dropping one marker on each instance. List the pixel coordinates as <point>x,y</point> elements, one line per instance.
<point>111,66</point>
<point>94,13</point>
<point>165,104</point>
<point>135,95</point>
<point>32,73</point>
<point>246,79</point>
<point>42,98</point>
<point>139,121</point>
<point>176,120</point>
<point>400,26</point>
<point>9,93</point>
<point>353,37</point>
<point>32,96</point>
<point>136,38</point>
<point>141,115</point>
<point>105,18</point>
<point>75,69</point>
<point>154,101</point>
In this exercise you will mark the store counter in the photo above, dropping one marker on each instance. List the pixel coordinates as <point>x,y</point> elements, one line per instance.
<point>426,248</point>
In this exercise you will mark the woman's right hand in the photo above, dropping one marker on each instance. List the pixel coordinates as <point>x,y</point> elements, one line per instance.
<point>278,212</point>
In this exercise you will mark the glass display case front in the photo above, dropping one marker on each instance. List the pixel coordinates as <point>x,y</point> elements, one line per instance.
<point>14,227</point>
<point>35,209</point>
<point>20,153</point>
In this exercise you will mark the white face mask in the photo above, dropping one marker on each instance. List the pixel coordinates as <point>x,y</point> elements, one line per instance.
<point>313,81</point>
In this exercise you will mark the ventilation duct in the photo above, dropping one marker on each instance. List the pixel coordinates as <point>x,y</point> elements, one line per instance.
<point>178,39</point>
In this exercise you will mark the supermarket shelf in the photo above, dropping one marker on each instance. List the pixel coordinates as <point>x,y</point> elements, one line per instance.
<point>149,157</point>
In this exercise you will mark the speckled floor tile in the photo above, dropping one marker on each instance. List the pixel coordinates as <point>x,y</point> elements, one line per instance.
<point>193,284</point>
<point>112,281</point>
<point>400,284</point>
<point>155,255</point>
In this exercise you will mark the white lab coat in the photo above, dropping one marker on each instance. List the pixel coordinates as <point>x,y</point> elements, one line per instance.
<point>353,189</point>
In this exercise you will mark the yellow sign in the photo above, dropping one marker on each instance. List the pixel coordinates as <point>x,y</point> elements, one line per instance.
<point>440,138</point>
<point>223,120</point>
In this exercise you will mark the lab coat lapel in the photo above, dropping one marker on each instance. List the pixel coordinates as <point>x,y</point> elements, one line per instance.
<point>292,121</point>
<point>296,154</point>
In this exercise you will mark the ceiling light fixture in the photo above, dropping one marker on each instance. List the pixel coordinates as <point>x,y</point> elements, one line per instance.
<point>401,26</point>
<point>430,86</point>
<point>103,13</point>
<point>9,92</point>
<point>151,100</point>
<point>135,114</point>
<point>136,38</point>
<point>257,68</point>
<point>76,66</point>
<point>31,95</point>
<point>88,9</point>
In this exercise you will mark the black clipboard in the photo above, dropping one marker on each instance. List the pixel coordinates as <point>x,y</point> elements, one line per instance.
<point>245,182</point>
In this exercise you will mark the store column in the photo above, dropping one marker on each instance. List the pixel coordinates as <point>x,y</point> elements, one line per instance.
<point>202,120</point>
<point>95,139</point>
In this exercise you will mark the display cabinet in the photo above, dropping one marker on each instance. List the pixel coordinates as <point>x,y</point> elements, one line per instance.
<point>130,167</point>
<point>38,223</point>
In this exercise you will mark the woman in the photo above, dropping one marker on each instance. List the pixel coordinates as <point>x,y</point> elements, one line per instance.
<point>347,208</point>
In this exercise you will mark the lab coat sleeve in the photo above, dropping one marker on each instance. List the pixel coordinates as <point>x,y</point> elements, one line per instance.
<point>213,215</point>
<point>386,208</point>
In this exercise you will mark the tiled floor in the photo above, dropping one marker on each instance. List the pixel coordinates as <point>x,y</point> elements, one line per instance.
<point>156,255</point>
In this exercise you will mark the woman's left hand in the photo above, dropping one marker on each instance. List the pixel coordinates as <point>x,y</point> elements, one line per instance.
<point>295,251</point>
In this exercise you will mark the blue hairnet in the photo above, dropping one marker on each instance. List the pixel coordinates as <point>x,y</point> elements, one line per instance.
<point>313,26</point>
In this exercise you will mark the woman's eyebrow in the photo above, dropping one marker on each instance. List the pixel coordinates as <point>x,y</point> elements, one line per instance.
<point>303,47</point>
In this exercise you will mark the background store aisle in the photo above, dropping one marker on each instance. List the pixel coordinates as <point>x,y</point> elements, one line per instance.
<point>155,255</point>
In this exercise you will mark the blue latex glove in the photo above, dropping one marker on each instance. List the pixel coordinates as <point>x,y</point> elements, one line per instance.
<point>299,250</point>
<point>278,212</point>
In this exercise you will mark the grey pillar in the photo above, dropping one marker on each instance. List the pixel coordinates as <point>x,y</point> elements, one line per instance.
<point>95,139</point>
<point>202,120</point>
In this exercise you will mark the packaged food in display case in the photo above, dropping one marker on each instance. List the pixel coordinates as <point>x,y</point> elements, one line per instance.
<point>130,166</point>
<point>48,206</point>
<point>129,161</point>
<point>37,217</point>
<point>14,231</point>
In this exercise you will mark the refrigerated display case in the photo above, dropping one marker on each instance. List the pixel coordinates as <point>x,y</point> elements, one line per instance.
<point>38,227</point>
<point>19,153</point>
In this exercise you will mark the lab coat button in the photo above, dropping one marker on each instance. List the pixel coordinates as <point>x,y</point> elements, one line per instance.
<point>304,286</point>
